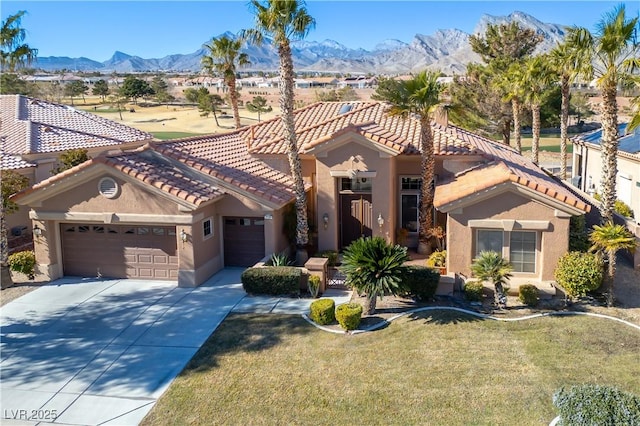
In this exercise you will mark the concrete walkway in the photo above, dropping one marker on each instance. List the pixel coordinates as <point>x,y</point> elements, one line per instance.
<point>93,352</point>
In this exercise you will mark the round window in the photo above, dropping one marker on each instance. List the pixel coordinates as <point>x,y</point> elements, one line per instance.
<point>108,187</point>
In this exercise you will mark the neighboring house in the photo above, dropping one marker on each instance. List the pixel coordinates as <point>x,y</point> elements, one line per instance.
<point>359,82</point>
<point>587,166</point>
<point>34,133</point>
<point>196,205</point>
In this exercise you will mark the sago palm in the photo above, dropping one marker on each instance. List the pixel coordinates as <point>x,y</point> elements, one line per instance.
<point>612,53</point>
<point>283,21</point>
<point>420,96</point>
<point>375,268</point>
<point>223,55</point>
<point>611,238</point>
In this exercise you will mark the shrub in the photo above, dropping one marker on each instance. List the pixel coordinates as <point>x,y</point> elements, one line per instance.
<point>322,311</point>
<point>437,259</point>
<point>349,315</point>
<point>622,209</point>
<point>578,273</point>
<point>578,235</point>
<point>279,259</point>
<point>24,262</point>
<point>314,285</point>
<point>332,255</point>
<point>473,291</point>
<point>596,405</point>
<point>420,282</point>
<point>275,280</point>
<point>528,294</point>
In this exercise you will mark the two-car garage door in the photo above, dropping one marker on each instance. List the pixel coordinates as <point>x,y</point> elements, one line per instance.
<point>120,251</point>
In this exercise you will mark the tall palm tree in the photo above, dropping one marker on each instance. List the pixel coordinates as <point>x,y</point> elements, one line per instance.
<point>537,78</point>
<point>568,63</point>
<point>635,104</point>
<point>612,53</point>
<point>511,84</point>
<point>610,238</point>
<point>283,21</point>
<point>420,96</point>
<point>13,51</point>
<point>223,55</point>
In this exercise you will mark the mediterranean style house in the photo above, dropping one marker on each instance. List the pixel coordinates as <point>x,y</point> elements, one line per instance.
<point>184,209</point>
<point>34,132</point>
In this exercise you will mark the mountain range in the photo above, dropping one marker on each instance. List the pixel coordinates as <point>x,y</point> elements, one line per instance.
<point>447,50</point>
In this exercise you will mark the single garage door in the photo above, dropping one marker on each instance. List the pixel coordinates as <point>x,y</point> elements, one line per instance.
<point>120,251</point>
<point>243,240</point>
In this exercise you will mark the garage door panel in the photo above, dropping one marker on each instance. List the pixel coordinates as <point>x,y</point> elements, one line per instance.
<point>120,251</point>
<point>243,240</point>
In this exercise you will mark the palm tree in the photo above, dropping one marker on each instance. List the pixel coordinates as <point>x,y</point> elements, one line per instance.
<point>283,21</point>
<point>537,78</point>
<point>610,238</point>
<point>13,51</point>
<point>511,84</point>
<point>223,53</point>
<point>419,95</point>
<point>375,268</point>
<point>568,64</point>
<point>635,104</point>
<point>491,266</point>
<point>611,53</point>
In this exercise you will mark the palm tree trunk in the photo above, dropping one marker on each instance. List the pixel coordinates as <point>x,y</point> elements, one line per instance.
<point>535,139</point>
<point>233,95</point>
<point>5,279</point>
<point>564,124</point>
<point>517,134</point>
<point>369,307</point>
<point>427,170</point>
<point>609,147</point>
<point>286,106</point>
<point>611,272</point>
<point>506,131</point>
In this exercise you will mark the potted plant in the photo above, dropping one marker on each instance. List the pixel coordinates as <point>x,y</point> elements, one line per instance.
<point>438,260</point>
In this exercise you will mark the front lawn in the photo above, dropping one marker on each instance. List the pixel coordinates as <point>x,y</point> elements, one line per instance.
<point>429,368</point>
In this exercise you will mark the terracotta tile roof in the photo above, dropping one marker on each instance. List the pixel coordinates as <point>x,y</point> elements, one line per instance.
<point>30,125</point>
<point>11,162</point>
<point>150,168</point>
<point>225,158</point>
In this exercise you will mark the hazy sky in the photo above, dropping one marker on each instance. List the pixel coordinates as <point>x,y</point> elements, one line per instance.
<point>153,29</point>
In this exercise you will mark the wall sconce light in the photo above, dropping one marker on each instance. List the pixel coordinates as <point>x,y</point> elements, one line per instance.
<point>183,237</point>
<point>37,231</point>
<point>325,220</point>
<point>380,220</point>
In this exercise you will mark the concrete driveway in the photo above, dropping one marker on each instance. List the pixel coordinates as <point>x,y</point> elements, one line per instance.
<point>92,352</point>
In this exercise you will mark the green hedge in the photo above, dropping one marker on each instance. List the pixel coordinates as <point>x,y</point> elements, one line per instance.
<point>322,311</point>
<point>273,280</point>
<point>349,315</point>
<point>596,405</point>
<point>473,291</point>
<point>578,273</point>
<point>528,294</point>
<point>420,282</point>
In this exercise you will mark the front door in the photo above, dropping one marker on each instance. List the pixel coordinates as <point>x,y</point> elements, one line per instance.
<point>356,217</point>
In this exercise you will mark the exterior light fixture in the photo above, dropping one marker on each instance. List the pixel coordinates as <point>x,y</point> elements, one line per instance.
<point>380,220</point>
<point>325,220</point>
<point>37,231</point>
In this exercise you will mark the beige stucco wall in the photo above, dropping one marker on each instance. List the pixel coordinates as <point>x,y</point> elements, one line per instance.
<point>552,242</point>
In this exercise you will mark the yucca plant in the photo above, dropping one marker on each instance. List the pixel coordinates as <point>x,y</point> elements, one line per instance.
<point>279,259</point>
<point>491,266</point>
<point>374,267</point>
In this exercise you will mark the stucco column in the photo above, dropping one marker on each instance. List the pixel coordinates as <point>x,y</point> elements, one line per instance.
<point>46,249</point>
<point>326,207</point>
<point>382,198</point>
<point>186,264</point>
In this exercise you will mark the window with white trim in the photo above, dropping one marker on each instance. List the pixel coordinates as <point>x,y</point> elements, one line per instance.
<point>409,195</point>
<point>207,228</point>
<point>489,240</point>
<point>522,251</point>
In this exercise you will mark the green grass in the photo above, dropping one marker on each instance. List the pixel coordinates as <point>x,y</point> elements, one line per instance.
<point>173,135</point>
<point>438,368</point>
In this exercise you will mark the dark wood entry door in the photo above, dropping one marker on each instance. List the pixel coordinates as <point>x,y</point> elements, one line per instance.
<point>356,217</point>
